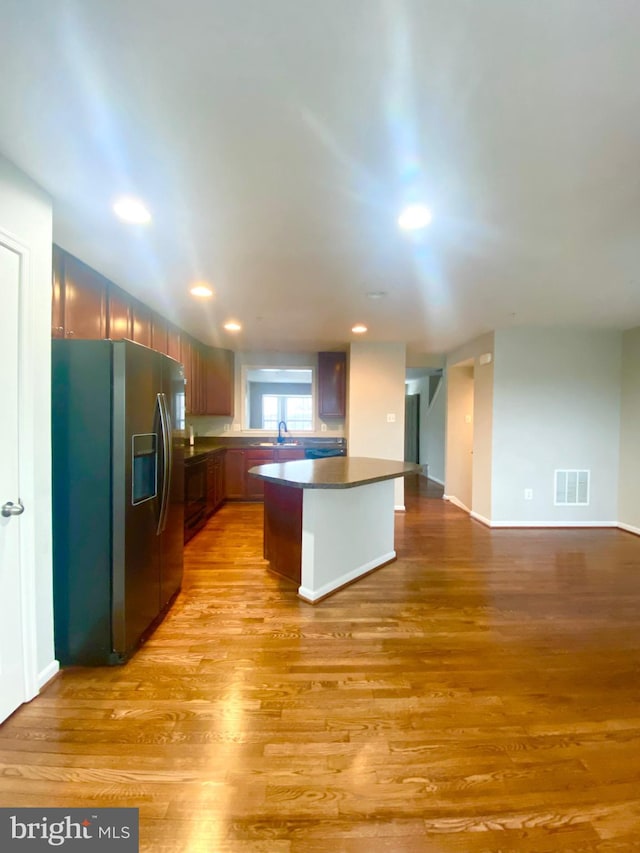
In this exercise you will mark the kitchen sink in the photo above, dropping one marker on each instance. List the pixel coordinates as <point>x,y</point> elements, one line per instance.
<point>275,444</point>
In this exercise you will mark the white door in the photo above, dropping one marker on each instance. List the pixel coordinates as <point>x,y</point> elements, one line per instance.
<point>12,680</point>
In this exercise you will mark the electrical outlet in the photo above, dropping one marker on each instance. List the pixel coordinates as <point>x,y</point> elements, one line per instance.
<point>528,494</point>
<point>391,418</point>
<point>227,427</point>
<point>323,427</point>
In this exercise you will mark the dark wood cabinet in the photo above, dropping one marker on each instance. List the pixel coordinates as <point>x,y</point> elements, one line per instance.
<point>332,384</point>
<point>185,358</point>
<point>173,342</point>
<point>215,481</point>
<point>159,333</point>
<point>118,313</point>
<point>254,488</point>
<point>83,298</point>
<point>84,304</point>
<point>217,381</point>
<point>140,323</point>
<point>234,474</point>
<point>288,454</point>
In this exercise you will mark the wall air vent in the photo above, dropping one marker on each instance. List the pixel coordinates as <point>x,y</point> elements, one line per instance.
<point>572,488</point>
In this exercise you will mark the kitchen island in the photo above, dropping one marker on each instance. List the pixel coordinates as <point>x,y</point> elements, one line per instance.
<point>328,522</point>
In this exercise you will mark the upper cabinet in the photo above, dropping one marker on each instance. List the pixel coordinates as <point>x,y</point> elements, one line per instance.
<point>140,323</point>
<point>217,381</point>
<point>332,384</point>
<point>159,333</point>
<point>79,299</point>
<point>86,305</point>
<point>210,377</point>
<point>118,314</point>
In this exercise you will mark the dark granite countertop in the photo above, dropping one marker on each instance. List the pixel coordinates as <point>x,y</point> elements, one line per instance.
<point>204,446</point>
<point>336,472</point>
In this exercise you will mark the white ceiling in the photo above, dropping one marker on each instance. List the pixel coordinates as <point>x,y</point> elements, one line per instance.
<point>276,140</point>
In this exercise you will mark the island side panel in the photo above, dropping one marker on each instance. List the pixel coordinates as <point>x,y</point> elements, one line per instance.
<point>345,534</point>
<point>283,530</point>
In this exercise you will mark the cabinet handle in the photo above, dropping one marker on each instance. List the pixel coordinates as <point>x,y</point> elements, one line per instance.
<point>70,334</point>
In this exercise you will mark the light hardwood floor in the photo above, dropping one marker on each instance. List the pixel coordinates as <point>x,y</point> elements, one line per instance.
<point>482,693</point>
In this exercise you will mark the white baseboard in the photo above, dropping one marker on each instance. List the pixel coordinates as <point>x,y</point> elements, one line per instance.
<point>481,518</point>
<point>549,524</point>
<point>47,673</point>
<point>313,595</point>
<point>399,508</point>
<point>454,500</point>
<point>629,528</point>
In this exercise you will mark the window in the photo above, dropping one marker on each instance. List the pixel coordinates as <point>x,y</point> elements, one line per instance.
<point>294,410</point>
<point>275,394</point>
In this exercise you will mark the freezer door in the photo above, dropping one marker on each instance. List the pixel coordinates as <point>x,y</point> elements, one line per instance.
<point>137,485</point>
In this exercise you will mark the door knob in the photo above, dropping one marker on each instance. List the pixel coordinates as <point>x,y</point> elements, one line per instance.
<point>10,509</point>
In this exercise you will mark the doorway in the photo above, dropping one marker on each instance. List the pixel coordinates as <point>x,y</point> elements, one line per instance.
<point>13,687</point>
<point>412,428</point>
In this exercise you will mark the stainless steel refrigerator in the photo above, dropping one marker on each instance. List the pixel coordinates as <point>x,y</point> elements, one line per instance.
<point>118,495</point>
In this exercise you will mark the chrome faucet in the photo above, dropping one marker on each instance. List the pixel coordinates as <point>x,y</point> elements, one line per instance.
<point>282,425</point>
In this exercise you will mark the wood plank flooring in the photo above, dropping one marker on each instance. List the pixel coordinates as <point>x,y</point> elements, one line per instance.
<point>481,693</point>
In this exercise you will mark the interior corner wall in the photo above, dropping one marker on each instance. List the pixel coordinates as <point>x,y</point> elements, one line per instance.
<point>459,436</point>
<point>26,213</point>
<point>376,388</point>
<point>629,486</point>
<point>482,421</point>
<point>482,438</point>
<point>556,405</point>
<point>435,433</point>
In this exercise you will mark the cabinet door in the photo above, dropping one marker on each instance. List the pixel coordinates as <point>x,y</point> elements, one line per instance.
<point>173,342</point>
<point>217,381</point>
<point>118,314</point>
<point>159,333</point>
<point>288,454</point>
<point>253,486</point>
<point>85,300</point>
<point>196,380</point>
<point>234,474</point>
<point>141,323</point>
<point>185,358</point>
<point>57,316</point>
<point>332,384</point>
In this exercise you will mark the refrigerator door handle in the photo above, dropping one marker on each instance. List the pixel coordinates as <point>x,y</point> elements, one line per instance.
<point>167,461</point>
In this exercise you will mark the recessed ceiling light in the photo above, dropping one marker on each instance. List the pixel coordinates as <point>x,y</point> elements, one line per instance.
<point>232,326</point>
<point>376,294</point>
<point>414,217</point>
<point>202,291</point>
<point>359,329</point>
<point>131,210</point>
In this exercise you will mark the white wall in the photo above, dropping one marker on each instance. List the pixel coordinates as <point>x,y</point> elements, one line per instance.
<point>482,419</point>
<point>435,433</point>
<point>25,213</point>
<point>629,490</point>
<point>375,389</point>
<point>556,404</point>
<point>482,437</point>
<point>459,432</point>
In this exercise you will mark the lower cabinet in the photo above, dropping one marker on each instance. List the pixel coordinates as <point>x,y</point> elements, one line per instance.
<point>215,481</point>
<point>240,485</point>
<point>234,474</point>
